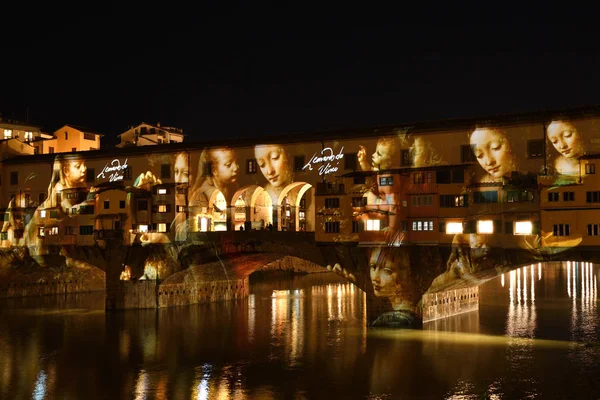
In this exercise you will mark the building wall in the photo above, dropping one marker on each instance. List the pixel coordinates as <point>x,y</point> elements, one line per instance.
<point>404,176</point>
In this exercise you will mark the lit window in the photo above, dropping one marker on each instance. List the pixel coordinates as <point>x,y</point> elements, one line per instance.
<point>28,136</point>
<point>162,227</point>
<point>485,226</point>
<point>7,133</point>
<point>41,231</point>
<point>162,208</point>
<point>162,191</point>
<point>523,228</point>
<point>203,224</point>
<point>301,215</point>
<point>43,214</point>
<point>53,230</point>
<point>143,228</point>
<point>372,224</point>
<point>454,227</point>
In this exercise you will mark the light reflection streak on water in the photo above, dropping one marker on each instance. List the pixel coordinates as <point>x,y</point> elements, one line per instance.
<point>202,376</point>
<point>522,316</point>
<point>251,317</point>
<point>39,391</point>
<point>141,386</point>
<point>569,278</point>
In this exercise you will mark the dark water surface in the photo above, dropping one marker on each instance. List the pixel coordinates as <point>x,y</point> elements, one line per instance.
<point>535,336</point>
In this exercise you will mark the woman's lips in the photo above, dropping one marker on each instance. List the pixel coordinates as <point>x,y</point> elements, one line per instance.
<point>494,171</point>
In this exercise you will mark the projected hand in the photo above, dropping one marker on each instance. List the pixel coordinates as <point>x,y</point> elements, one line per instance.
<point>362,158</point>
<point>146,179</point>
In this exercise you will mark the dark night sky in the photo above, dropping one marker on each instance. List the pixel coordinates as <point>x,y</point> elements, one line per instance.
<point>244,71</point>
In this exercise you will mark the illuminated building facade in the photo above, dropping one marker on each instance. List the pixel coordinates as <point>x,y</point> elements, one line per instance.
<point>146,135</point>
<point>524,181</point>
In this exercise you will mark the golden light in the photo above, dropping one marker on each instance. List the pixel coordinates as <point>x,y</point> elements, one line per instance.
<point>523,228</point>
<point>486,226</point>
<point>454,227</point>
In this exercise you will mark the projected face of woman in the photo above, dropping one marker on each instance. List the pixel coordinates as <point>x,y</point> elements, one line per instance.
<point>273,163</point>
<point>384,276</point>
<point>493,152</point>
<point>181,169</point>
<point>225,167</point>
<point>566,139</point>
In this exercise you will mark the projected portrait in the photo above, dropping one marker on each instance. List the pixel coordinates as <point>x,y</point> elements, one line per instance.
<point>385,155</point>
<point>66,190</point>
<point>569,144</point>
<point>494,153</point>
<point>217,170</point>
<point>182,176</point>
<point>389,270</point>
<point>275,165</point>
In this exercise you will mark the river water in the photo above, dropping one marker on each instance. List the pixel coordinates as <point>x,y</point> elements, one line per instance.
<point>536,335</point>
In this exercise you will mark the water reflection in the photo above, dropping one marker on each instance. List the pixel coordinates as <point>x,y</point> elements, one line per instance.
<point>308,338</point>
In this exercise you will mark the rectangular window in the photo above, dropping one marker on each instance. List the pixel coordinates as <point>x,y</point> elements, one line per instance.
<point>514,196</point>
<point>350,161</point>
<point>73,149</point>
<point>14,177</point>
<point>418,177</point>
<point>443,176</point>
<point>41,232</point>
<point>485,197</point>
<point>162,227</point>
<point>142,205</point>
<point>8,134</point>
<point>86,230</point>
<point>373,225</point>
<point>466,154</point>
<point>121,203</point>
<point>86,210</point>
<point>569,196</point>
<point>106,204</point>
<point>449,200</point>
<point>332,227</point>
<point>386,180</point>
<point>165,171</point>
<point>406,158</point>
<point>161,191</point>
<point>421,200</point>
<point>357,226</point>
<point>553,196</point>
<point>162,208</point>
<point>332,202</point>
<point>593,229</point>
<point>127,173</point>
<point>458,175</point>
<point>89,136</point>
<point>561,229</point>
<point>359,180</point>
<point>66,135</point>
<point>90,175</point>
<point>299,163</point>
<point>590,169</point>
<point>69,230</point>
<point>51,150</point>
<point>359,201</point>
<point>251,166</point>
<point>592,197</point>
<point>535,148</point>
